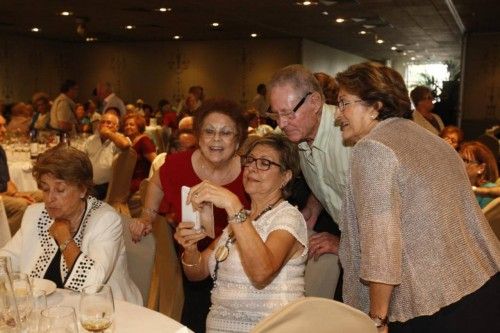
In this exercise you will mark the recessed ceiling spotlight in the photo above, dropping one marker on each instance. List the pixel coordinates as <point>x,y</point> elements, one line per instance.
<point>380,41</point>
<point>394,48</point>
<point>254,35</point>
<point>177,37</point>
<point>412,58</point>
<point>91,39</point>
<point>66,13</point>
<point>325,13</point>
<point>306,3</point>
<point>164,9</point>
<point>130,27</point>
<point>340,20</point>
<point>362,32</point>
<point>215,24</point>
<point>35,29</point>
<point>404,53</point>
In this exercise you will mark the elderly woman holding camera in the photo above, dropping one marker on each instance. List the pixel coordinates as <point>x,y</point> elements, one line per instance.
<point>417,252</point>
<point>258,262</point>
<point>71,238</point>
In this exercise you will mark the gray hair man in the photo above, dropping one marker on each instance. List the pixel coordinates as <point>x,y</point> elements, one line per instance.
<point>298,104</point>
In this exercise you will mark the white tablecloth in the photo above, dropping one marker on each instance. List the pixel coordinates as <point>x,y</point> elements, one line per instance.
<point>20,174</point>
<point>129,318</point>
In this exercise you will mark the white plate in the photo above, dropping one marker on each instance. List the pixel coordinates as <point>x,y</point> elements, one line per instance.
<point>46,285</point>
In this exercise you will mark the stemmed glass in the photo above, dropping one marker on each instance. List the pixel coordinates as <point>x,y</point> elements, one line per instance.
<point>9,316</point>
<point>97,308</point>
<point>39,304</point>
<point>58,319</point>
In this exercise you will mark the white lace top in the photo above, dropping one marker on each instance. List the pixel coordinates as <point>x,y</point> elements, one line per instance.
<point>236,304</point>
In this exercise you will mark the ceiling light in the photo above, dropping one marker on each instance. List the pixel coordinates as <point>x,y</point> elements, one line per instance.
<point>412,58</point>
<point>324,13</point>
<point>340,20</point>
<point>91,39</point>
<point>215,24</point>
<point>254,35</point>
<point>177,37</point>
<point>394,48</point>
<point>163,9</point>
<point>306,3</point>
<point>66,13</point>
<point>35,29</point>
<point>380,41</point>
<point>130,27</point>
<point>404,53</point>
<point>362,32</point>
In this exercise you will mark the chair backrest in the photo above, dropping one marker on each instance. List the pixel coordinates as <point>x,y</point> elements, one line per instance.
<point>492,213</point>
<point>162,135</point>
<point>5,234</point>
<point>122,171</point>
<point>166,297</point>
<point>157,163</point>
<point>140,259</point>
<point>319,315</point>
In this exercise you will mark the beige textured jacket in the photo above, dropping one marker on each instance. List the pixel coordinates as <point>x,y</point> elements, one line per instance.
<point>410,219</point>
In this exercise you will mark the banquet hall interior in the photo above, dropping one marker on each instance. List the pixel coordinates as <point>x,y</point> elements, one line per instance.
<point>158,55</point>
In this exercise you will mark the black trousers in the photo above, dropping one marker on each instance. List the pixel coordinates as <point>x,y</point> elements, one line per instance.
<point>476,312</point>
<point>196,303</point>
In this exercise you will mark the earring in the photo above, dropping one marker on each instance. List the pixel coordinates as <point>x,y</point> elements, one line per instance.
<point>373,116</point>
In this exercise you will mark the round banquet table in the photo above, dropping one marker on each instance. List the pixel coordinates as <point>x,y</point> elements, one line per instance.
<point>20,174</point>
<point>128,317</point>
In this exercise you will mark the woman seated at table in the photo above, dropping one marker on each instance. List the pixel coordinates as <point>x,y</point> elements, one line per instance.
<point>417,252</point>
<point>134,127</point>
<point>71,238</point>
<point>258,262</point>
<point>481,168</point>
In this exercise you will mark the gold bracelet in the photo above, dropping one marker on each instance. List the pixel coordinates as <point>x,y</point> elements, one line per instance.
<point>190,265</point>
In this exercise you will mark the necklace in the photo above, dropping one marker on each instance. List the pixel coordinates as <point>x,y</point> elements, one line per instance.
<point>222,251</point>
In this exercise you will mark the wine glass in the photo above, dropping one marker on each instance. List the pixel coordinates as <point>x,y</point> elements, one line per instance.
<point>97,308</point>
<point>22,292</point>
<point>39,304</point>
<point>58,319</point>
<point>9,316</point>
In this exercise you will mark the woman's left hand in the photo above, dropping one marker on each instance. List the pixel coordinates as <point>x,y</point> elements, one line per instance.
<point>218,195</point>
<point>60,230</point>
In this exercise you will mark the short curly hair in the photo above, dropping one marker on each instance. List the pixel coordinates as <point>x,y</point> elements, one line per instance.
<point>287,151</point>
<point>225,107</point>
<point>375,83</point>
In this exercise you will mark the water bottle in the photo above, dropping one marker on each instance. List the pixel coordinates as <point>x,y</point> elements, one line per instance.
<point>33,145</point>
<point>64,139</point>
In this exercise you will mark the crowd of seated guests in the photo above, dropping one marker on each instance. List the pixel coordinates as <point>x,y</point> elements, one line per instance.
<point>236,160</point>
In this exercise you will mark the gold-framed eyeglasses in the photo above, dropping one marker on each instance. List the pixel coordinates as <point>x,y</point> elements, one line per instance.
<point>291,114</point>
<point>224,133</point>
<point>343,104</point>
<point>262,164</point>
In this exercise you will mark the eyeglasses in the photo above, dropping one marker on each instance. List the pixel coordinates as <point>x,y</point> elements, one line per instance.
<point>343,104</point>
<point>261,164</point>
<point>291,114</point>
<point>224,133</point>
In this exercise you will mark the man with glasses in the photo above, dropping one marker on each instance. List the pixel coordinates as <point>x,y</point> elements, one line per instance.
<point>297,103</point>
<point>102,148</point>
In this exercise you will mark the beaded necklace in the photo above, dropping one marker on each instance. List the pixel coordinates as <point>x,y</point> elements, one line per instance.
<point>222,251</point>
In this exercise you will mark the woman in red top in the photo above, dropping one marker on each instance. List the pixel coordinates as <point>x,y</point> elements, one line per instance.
<point>134,128</point>
<point>220,128</point>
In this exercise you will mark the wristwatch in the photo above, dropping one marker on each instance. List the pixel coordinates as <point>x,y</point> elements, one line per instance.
<point>378,321</point>
<point>239,217</point>
<point>64,244</point>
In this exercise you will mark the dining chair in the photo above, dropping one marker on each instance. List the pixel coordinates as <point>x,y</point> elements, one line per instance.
<point>119,186</point>
<point>140,259</point>
<point>316,314</point>
<point>5,234</point>
<point>166,293</point>
<point>163,138</point>
<point>492,214</point>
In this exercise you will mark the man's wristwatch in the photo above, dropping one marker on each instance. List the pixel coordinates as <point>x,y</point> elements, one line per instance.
<point>64,244</point>
<point>379,321</point>
<point>239,217</point>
